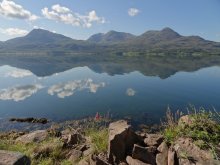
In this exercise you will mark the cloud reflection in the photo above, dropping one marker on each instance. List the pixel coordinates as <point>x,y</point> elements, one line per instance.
<point>130,92</point>
<point>19,93</point>
<point>19,73</point>
<point>67,89</point>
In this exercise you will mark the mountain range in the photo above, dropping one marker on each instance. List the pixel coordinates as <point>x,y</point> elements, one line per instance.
<point>163,42</point>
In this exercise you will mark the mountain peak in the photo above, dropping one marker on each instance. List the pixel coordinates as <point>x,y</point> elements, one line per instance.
<point>167,29</point>
<point>39,32</point>
<point>41,36</point>
<point>111,36</point>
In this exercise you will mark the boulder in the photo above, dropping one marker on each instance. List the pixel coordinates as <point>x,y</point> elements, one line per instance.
<point>162,156</point>
<point>121,141</point>
<point>153,140</point>
<point>132,161</point>
<point>191,152</point>
<point>74,155</point>
<point>144,154</point>
<point>13,158</point>
<point>36,136</point>
<point>71,138</point>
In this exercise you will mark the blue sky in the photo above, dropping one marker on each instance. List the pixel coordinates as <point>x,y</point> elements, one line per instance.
<point>79,19</point>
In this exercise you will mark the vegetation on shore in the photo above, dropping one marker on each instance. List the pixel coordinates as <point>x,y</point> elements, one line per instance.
<point>200,125</point>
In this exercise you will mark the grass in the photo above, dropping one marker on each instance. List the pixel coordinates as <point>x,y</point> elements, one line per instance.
<point>99,139</point>
<point>48,152</point>
<point>51,150</point>
<point>203,127</point>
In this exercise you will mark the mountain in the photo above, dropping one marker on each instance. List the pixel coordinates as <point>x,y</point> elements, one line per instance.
<point>161,42</point>
<point>152,37</point>
<point>110,37</point>
<point>40,36</point>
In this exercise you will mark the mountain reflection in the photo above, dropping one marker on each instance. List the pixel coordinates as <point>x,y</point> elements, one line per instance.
<point>162,67</point>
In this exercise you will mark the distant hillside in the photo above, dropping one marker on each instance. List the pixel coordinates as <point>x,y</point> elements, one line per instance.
<point>111,36</point>
<point>163,42</point>
<point>40,36</point>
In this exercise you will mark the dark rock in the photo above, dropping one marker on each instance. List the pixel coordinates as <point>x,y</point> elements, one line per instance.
<point>13,158</point>
<point>132,161</point>
<point>121,141</point>
<point>162,156</point>
<point>30,120</point>
<point>36,136</point>
<point>144,154</point>
<point>74,155</point>
<point>153,140</point>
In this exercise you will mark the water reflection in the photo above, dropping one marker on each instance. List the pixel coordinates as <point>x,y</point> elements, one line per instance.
<point>63,90</point>
<point>130,92</point>
<point>19,93</point>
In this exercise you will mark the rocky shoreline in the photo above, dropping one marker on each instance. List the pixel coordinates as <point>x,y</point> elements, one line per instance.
<point>123,146</point>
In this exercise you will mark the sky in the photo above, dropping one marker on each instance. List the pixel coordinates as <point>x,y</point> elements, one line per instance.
<point>79,19</point>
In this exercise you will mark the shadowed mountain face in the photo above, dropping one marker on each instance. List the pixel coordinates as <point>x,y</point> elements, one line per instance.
<point>165,41</point>
<point>111,36</point>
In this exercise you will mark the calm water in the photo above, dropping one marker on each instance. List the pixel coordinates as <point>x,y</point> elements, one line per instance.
<point>81,92</point>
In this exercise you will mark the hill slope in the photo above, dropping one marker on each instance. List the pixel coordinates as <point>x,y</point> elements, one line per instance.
<point>165,41</point>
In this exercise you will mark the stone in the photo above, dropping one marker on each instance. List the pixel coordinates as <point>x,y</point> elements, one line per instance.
<point>97,160</point>
<point>172,157</point>
<point>30,120</point>
<point>192,152</point>
<point>88,152</point>
<point>36,136</point>
<point>132,161</point>
<point>153,140</point>
<point>184,120</point>
<point>162,156</point>
<point>83,162</point>
<point>144,154</point>
<point>74,155</point>
<point>72,138</point>
<point>121,141</point>
<point>13,158</point>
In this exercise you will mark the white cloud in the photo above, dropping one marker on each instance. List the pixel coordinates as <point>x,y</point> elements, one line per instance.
<point>130,92</point>
<point>133,12</point>
<point>10,9</point>
<point>13,31</point>
<point>65,15</point>
<point>19,73</point>
<point>19,93</point>
<point>60,9</point>
<point>67,89</point>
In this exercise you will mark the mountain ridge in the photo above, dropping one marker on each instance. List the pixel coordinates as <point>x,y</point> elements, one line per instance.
<point>151,42</point>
